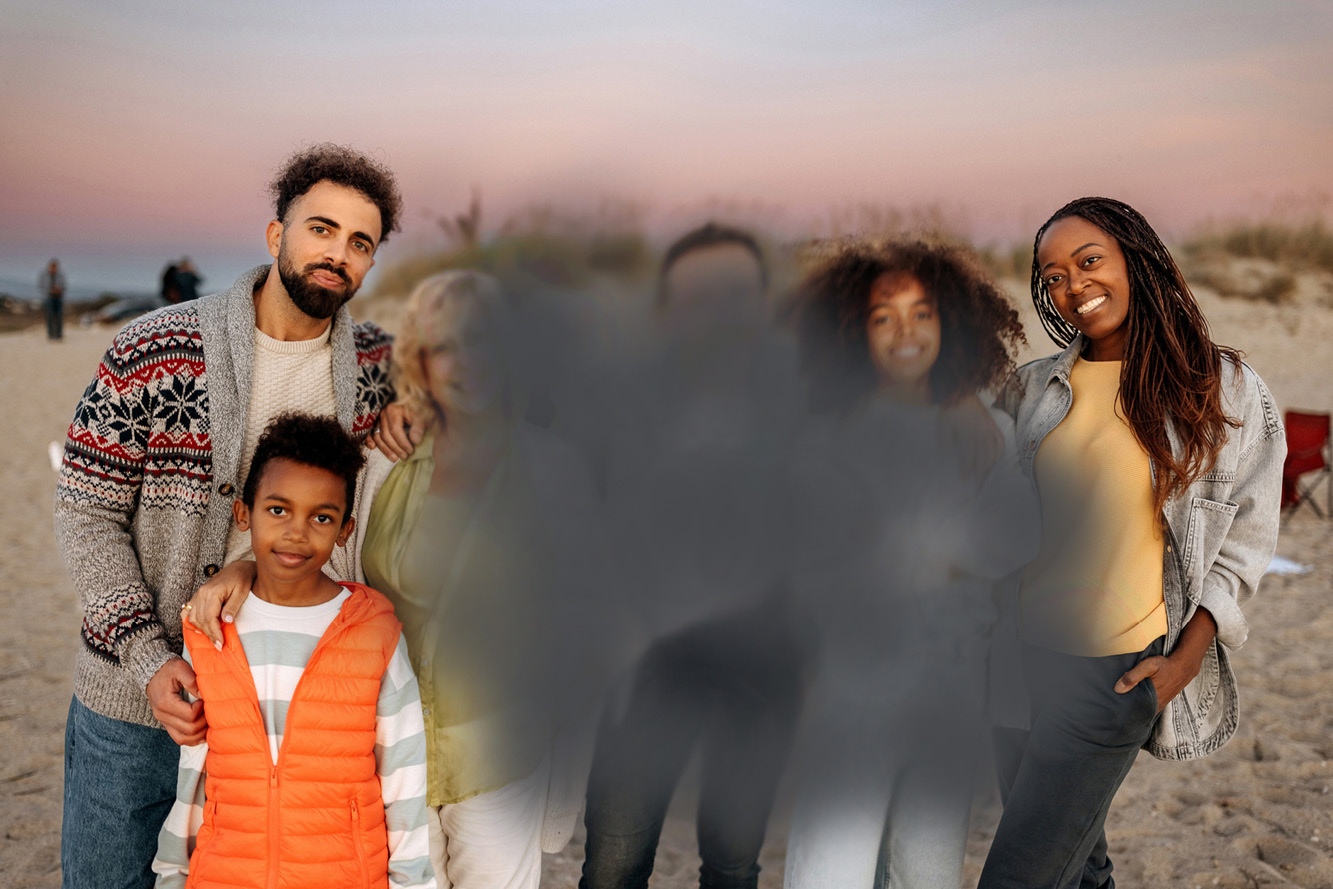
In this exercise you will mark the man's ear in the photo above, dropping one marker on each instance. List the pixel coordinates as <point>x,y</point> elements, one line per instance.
<point>241,513</point>
<point>346,533</point>
<point>273,234</point>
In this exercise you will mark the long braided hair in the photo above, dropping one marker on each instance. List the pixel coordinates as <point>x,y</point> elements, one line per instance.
<point>1173,369</point>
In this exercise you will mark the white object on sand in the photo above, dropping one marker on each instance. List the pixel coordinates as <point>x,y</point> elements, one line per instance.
<point>57,455</point>
<point>1285,567</point>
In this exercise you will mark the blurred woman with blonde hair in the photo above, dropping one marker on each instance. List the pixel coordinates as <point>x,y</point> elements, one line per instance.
<point>486,539</point>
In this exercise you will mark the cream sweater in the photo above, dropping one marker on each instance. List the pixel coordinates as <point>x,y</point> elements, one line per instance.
<point>288,376</point>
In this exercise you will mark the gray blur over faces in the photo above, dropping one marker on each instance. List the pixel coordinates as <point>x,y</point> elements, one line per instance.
<point>719,490</point>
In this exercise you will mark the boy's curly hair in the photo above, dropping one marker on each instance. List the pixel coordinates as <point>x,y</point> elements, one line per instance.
<point>340,165</point>
<point>311,441</point>
<point>978,326</point>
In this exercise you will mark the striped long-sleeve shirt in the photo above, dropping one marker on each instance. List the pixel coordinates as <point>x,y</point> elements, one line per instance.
<point>278,641</point>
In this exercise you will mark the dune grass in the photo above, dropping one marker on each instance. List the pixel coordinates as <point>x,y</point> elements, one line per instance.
<point>548,246</point>
<point>1300,245</point>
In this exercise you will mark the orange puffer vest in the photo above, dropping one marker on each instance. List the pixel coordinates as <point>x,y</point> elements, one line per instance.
<point>316,819</point>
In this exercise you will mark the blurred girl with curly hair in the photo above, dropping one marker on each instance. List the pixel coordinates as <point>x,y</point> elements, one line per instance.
<point>900,544</point>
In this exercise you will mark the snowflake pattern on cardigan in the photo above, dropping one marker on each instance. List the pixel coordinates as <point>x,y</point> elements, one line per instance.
<point>141,440</point>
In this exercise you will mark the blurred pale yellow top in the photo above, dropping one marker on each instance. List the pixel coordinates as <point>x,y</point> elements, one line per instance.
<point>455,572</point>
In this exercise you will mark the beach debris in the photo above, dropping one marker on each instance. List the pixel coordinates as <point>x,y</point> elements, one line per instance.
<point>1285,567</point>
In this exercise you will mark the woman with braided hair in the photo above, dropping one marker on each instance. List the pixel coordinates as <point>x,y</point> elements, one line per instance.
<point>1157,455</point>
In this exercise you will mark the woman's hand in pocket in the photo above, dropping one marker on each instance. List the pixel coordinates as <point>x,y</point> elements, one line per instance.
<point>1170,674</point>
<point>1158,671</point>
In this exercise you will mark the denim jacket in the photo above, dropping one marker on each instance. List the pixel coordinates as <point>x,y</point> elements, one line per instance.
<point>1220,536</point>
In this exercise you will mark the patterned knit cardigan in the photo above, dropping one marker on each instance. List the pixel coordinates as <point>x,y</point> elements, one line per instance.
<point>144,501</point>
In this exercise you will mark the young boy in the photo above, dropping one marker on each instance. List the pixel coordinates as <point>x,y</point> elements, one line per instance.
<point>314,768</point>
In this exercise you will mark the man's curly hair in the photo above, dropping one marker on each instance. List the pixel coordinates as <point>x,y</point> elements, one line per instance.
<point>978,327</point>
<point>311,441</point>
<point>340,165</point>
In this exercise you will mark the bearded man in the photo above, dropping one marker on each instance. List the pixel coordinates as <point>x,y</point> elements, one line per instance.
<point>157,452</point>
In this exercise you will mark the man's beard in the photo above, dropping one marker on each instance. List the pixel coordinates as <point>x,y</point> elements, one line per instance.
<point>311,298</point>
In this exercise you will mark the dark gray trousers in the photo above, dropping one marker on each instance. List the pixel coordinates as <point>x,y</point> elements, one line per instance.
<point>1058,779</point>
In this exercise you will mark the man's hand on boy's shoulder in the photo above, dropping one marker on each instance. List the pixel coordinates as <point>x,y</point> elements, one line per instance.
<point>183,720</point>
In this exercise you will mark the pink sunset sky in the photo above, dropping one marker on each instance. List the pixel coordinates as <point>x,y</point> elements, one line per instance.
<point>136,132</point>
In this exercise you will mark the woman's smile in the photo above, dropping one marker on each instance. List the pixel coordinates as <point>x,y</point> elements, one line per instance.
<point>1091,305</point>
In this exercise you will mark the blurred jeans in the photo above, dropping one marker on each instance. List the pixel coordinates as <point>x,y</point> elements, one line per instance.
<point>733,682</point>
<point>884,781</point>
<point>120,782</point>
<point>55,317</point>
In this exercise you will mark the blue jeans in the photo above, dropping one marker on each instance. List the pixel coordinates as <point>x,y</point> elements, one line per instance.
<point>120,782</point>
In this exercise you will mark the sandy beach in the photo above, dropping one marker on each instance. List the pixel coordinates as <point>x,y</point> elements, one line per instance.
<point>1258,813</point>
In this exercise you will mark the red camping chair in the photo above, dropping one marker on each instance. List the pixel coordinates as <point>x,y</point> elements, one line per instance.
<point>1307,451</point>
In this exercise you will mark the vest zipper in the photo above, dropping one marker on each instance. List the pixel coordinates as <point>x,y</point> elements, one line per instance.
<point>274,819</point>
<point>356,842</point>
<point>273,827</point>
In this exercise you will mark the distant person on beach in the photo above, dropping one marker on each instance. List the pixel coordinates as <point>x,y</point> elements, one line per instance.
<point>154,459</point>
<point>171,288</point>
<point>896,557</point>
<point>51,285</point>
<point>187,280</point>
<point>315,737</point>
<point>1157,455</point>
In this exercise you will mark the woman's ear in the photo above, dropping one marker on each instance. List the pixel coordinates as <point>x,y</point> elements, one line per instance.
<point>241,513</point>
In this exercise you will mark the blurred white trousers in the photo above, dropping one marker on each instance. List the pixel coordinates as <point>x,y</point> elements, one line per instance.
<point>857,785</point>
<point>494,839</point>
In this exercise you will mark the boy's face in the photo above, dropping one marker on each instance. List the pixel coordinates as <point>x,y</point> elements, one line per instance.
<point>296,521</point>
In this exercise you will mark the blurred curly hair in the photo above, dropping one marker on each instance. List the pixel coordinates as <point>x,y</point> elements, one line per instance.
<point>979,328</point>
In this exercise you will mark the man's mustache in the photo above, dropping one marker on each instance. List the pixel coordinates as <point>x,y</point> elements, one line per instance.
<point>328,268</point>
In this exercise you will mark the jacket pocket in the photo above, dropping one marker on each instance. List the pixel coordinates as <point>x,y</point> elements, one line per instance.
<point>363,866</point>
<point>209,828</point>
<point>1210,520</point>
<point>208,831</point>
<point>1208,680</point>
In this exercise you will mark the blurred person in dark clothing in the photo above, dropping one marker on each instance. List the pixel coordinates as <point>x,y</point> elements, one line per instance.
<point>51,284</point>
<point>188,280</point>
<point>171,290</point>
<point>694,446</point>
